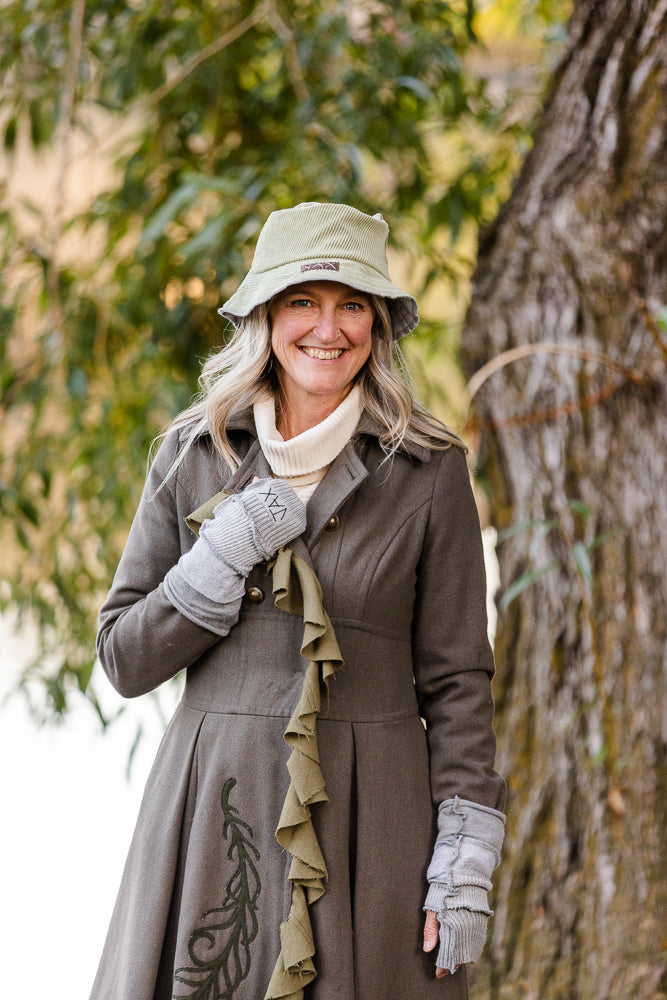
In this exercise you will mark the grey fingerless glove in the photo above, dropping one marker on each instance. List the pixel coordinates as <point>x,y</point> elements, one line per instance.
<point>250,527</point>
<point>467,850</point>
<point>208,582</point>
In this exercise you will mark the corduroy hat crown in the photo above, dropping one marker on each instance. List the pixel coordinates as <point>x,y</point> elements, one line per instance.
<point>322,242</point>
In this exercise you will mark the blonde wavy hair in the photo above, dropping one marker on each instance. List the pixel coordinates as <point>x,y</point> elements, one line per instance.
<point>237,375</point>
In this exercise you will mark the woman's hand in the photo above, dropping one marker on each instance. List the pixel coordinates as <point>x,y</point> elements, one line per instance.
<point>431,937</point>
<point>208,582</point>
<point>249,527</point>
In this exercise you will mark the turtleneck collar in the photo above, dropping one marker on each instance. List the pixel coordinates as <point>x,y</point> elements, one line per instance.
<point>313,450</point>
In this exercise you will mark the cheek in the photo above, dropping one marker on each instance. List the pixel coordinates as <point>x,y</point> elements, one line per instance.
<point>366,355</point>
<point>365,344</point>
<point>281,338</point>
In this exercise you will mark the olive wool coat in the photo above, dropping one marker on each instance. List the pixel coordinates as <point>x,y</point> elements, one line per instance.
<point>396,547</point>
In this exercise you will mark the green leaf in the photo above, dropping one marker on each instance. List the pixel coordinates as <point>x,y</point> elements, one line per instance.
<point>523,526</point>
<point>29,510</point>
<point>416,85</point>
<point>136,742</point>
<point>579,508</point>
<point>225,185</point>
<point>10,134</point>
<point>207,239</point>
<point>156,226</point>
<point>77,383</point>
<point>84,674</point>
<point>523,582</point>
<point>582,561</point>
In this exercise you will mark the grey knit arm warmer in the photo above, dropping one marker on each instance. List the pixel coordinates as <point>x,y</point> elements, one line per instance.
<point>467,850</point>
<point>208,582</point>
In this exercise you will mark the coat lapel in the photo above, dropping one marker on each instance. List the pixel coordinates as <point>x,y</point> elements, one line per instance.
<point>345,475</point>
<point>254,464</point>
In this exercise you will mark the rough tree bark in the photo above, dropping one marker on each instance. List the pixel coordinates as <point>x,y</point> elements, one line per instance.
<point>578,259</point>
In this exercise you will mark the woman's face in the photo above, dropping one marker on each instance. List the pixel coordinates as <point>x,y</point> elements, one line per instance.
<point>321,338</point>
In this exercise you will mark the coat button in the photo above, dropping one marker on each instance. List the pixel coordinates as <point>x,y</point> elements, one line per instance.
<point>333,523</point>
<point>256,595</point>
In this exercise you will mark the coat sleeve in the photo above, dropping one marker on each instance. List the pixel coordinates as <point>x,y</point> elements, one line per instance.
<point>142,639</point>
<point>453,661</point>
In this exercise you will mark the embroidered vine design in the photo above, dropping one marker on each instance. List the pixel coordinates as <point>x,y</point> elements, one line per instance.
<point>227,930</point>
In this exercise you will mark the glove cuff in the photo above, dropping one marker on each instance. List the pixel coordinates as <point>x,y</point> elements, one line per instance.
<point>462,818</point>
<point>462,937</point>
<point>467,897</point>
<point>231,537</point>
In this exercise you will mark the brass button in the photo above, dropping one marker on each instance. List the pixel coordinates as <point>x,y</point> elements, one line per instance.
<point>256,595</point>
<point>333,523</point>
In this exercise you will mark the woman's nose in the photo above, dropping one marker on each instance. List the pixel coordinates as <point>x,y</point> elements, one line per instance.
<point>326,327</point>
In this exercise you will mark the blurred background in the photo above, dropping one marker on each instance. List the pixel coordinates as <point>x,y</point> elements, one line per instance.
<point>518,150</point>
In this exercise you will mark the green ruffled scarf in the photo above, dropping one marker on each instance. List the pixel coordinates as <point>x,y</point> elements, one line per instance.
<point>297,591</point>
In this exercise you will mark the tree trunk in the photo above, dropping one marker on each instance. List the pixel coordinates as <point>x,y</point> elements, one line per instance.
<point>574,453</point>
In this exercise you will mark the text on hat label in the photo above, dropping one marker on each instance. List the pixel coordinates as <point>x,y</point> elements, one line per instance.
<point>322,265</point>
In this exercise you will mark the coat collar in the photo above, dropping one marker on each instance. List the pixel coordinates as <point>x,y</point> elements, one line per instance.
<point>343,477</point>
<point>243,420</point>
<point>370,427</point>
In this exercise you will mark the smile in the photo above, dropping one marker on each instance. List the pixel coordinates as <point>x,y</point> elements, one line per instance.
<point>320,355</point>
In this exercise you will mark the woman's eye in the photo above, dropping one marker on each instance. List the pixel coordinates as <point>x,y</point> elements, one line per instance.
<point>300,303</point>
<point>353,306</point>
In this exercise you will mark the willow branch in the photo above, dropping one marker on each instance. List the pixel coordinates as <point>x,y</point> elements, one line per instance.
<point>295,73</point>
<point>188,67</point>
<point>542,416</point>
<point>294,70</point>
<point>527,350</point>
<point>64,142</point>
<point>216,46</point>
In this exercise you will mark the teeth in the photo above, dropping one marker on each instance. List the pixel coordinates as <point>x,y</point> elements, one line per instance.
<point>314,352</point>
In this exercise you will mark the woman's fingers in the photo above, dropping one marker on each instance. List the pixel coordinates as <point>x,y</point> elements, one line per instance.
<point>430,930</point>
<point>431,936</point>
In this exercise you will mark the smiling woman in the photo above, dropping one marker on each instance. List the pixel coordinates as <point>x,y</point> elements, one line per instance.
<point>278,851</point>
<point>321,338</point>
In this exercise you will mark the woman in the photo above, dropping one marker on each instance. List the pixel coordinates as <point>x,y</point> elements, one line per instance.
<point>286,831</point>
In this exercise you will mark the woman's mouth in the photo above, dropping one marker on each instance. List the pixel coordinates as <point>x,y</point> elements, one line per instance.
<point>320,355</point>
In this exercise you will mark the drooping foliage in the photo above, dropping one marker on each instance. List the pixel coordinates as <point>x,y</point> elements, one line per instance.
<point>198,119</point>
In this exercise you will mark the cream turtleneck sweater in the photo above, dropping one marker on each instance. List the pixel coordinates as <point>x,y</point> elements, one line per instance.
<point>304,459</point>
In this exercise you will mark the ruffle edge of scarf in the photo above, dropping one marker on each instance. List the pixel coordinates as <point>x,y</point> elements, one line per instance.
<point>297,591</point>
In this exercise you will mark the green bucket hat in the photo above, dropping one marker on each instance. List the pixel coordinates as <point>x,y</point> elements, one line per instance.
<point>322,242</point>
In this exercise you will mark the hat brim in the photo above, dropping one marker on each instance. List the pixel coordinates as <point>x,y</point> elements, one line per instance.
<point>259,287</point>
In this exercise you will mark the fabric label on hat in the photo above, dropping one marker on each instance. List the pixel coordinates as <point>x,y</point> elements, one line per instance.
<point>323,265</point>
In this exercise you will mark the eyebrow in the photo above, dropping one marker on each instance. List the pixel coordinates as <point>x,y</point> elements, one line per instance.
<point>311,289</point>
